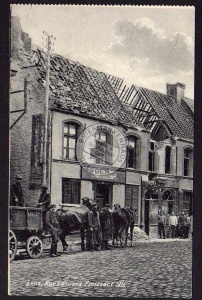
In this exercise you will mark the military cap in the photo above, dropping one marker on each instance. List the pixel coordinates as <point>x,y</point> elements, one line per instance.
<point>18,177</point>
<point>52,205</point>
<point>85,200</point>
<point>44,187</point>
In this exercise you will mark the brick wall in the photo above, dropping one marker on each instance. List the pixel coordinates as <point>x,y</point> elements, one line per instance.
<point>21,132</point>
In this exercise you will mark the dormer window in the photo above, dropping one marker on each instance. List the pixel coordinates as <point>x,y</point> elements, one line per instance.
<point>188,162</point>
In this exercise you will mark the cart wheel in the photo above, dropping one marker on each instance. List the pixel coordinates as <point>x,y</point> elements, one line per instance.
<point>34,247</point>
<point>12,245</point>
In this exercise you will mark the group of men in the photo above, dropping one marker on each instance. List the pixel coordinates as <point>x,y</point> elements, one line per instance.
<point>96,231</point>
<point>98,228</point>
<point>180,226</point>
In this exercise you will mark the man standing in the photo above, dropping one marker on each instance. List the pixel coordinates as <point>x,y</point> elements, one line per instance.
<point>87,229</point>
<point>17,197</point>
<point>106,225</point>
<point>182,225</point>
<point>51,222</point>
<point>161,224</point>
<point>187,225</point>
<point>44,201</point>
<point>173,224</point>
<point>96,228</point>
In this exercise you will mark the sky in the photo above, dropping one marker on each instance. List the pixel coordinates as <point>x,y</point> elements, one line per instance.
<point>146,46</point>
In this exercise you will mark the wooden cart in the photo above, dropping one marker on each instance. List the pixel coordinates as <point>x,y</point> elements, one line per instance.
<point>25,231</point>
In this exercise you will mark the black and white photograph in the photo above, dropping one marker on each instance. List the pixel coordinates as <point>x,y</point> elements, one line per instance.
<point>101,151</point>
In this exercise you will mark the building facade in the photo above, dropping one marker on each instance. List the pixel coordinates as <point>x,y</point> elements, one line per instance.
<point>157,172</point>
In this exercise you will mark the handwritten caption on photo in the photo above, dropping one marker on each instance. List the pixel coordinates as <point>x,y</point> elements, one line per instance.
<point>87,283</point>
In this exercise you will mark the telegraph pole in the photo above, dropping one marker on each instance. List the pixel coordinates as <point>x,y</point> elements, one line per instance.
<point>48,45</point>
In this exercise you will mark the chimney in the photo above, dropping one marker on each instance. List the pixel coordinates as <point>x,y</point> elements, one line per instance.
<point>19,39</point>
<point>176,90</point>
<point>16,42</point>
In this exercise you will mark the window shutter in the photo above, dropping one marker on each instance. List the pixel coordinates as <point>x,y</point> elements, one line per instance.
<point>75,191</point>
<point>70,191</point>
<point>66,191</point>
<point>135,195</point>
<point>37,144</point>
<point>128,197</point>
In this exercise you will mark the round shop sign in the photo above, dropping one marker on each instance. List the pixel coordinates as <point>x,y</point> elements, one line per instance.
<point>101,149</point>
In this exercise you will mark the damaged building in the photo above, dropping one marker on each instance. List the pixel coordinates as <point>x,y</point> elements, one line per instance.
<point>158,129</point>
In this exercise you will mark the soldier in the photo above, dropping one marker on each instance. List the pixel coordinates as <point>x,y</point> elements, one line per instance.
<point>161,224</point>
<point>86,229</point>
<point>96,228</point>
<point>17,197</point>
<point>106,225</point>
<point>51,222</point>
<point>44,202</point>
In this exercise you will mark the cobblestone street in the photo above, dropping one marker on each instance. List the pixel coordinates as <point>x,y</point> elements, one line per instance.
<point>160,269</point>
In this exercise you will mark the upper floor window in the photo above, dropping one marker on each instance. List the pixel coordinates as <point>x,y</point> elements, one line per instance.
<point>188,162</point>
<point>70,136</point>
<point>132,152</point>
<point>167,160</point>
<point>152,156</point>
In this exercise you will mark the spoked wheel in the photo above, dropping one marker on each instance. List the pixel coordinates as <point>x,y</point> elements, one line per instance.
<point>12,245</point>
<point>34,247</point>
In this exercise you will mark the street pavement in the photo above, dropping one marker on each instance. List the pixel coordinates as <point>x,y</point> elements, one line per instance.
<point>155,268</point>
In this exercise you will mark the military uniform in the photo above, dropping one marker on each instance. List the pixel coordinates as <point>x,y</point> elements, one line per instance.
<point>44,202</point>
<point>106,225</point>
<point>52,223</point>
<point>86,229</point>
<point>96,228</point>
<point>17,197</point>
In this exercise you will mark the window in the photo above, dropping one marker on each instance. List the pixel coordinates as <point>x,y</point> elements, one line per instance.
<point>103,151</point>
<point>187,202</point>
<point>152,157</point>
<point>188,162</point>
<point>132,152</point>
<point>70,191</point>
<point>167,159</point>
<point>70,136</point>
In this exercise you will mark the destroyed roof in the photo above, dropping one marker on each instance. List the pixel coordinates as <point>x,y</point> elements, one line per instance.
<point>153,109</point>
<point>188,105</point>
<point>81,90</point>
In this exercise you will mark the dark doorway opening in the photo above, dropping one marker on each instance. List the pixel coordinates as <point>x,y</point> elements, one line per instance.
<point>146,213</point>
<point>103,194</point>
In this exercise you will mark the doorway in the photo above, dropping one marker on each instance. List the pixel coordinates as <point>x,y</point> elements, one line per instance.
<point>103,194</point>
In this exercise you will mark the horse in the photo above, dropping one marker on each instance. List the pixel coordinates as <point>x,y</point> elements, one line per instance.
<point>74,218</point>
<point>122,218</point>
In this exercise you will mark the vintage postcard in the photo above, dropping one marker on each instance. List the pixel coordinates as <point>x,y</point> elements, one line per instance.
<point>101,151</point>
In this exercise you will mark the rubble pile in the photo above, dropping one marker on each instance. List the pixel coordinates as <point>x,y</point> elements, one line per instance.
<point>140,235</point>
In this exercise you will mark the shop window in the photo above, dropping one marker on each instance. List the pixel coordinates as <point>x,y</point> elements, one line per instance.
<point>152,157</point>
<point>188,162</point>
<point>133,152</point>
<point>167,160</point>
<point>69,142</point>
<point>71,190</point>
<point>187,202</point>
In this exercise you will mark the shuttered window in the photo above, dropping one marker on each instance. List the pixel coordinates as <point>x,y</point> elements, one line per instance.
<point>37,144</point>
<point>131,199</point>
<point>71,190</point>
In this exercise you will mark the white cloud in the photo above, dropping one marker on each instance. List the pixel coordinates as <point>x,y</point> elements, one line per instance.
<point>142,40</point>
